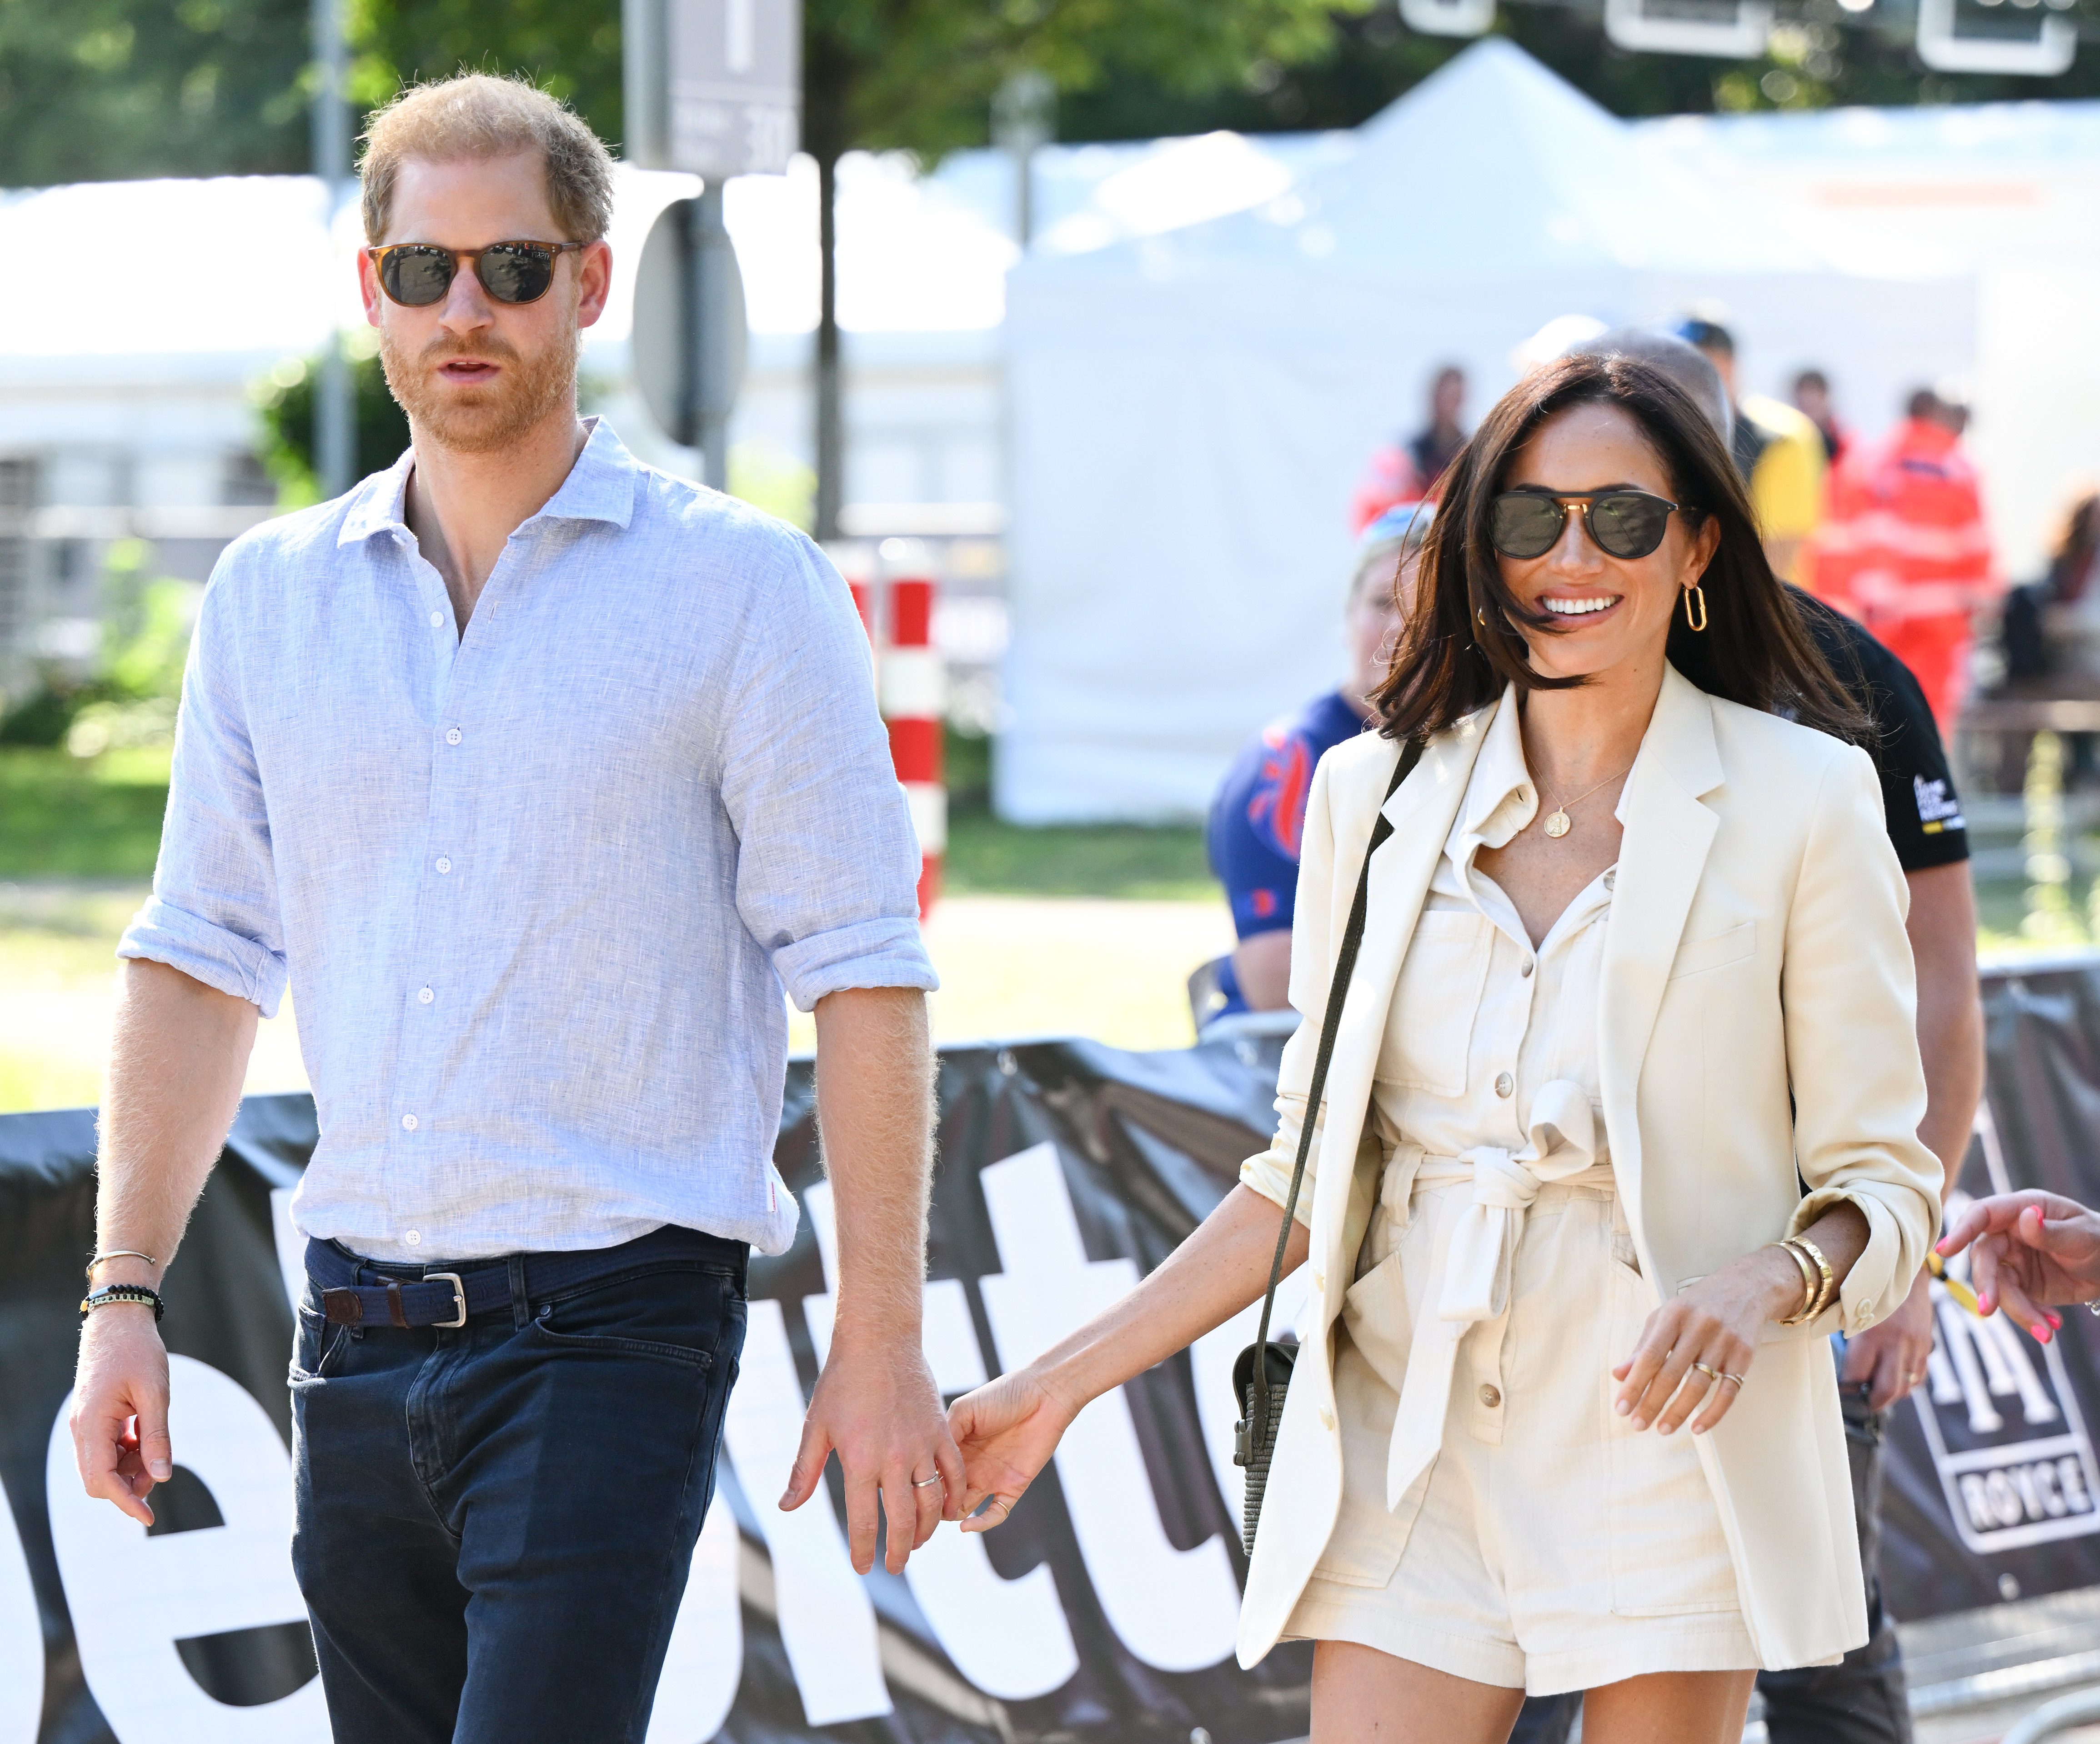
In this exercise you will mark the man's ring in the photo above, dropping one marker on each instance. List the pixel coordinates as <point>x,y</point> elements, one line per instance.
<point>920,1483</point>
<point>1711,1374</point>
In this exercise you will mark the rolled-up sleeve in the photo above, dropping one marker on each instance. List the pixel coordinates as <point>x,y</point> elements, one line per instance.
<point>214,913</point>
<point>827,863</point>
<point>1849,990</point>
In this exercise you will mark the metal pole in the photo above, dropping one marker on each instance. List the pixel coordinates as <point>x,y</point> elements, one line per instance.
<point>714,393</point>
<point>645,48</point>
<point>335,414</point>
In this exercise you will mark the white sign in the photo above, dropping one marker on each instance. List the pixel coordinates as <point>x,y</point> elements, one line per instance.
<point>736,85</point>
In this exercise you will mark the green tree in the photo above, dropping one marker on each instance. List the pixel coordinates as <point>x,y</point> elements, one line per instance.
<point>284,403</point>
<point>109,90</point>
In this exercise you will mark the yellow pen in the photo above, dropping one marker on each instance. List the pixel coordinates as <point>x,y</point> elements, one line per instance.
<point>1956,1288</point>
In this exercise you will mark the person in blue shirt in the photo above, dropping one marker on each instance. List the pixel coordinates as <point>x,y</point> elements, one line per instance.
<point>1258,816</point>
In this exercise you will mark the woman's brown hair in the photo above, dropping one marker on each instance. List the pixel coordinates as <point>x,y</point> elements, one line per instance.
<point>1461,645</point>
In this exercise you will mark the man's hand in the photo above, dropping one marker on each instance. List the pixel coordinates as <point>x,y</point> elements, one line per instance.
<point>1890,1357</point>
<point>120,1408</point>
<point>2031,1250</point>
<point>876,1406</point>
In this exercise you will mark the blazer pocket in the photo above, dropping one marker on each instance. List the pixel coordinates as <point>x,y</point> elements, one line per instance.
<point>1429,1031</point>
<point>1696,956</point>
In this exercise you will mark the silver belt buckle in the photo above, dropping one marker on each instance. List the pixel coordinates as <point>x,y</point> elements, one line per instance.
<point>459,1295</point>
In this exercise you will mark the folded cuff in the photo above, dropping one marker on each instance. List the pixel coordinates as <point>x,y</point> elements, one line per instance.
<point>205,951</point>
<point>886,953</point>
<point>1870,1291</point>
<point>1269,1172</point>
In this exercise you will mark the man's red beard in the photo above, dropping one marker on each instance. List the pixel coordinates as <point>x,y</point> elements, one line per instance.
<point>481,419</point>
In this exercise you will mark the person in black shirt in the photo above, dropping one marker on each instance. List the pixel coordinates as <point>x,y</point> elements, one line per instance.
<point>1865,1698</point>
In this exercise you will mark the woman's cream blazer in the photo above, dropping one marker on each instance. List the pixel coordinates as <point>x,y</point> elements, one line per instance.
<point>1756,949</point>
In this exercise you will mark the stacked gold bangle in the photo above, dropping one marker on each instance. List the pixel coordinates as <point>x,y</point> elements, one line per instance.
<point>1818,1284</point>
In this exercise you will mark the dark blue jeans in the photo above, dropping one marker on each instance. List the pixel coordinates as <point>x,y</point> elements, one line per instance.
<point>495,1523</point>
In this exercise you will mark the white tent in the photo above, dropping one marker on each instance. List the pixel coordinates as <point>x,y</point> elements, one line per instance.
<point>1191,410</point>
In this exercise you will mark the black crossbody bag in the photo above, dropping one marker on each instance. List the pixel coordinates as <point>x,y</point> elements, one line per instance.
<point>1261,1376</point>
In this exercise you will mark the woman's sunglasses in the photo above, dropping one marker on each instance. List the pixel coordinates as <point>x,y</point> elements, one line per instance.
<point>418,274</point>
<point>1623,523</point>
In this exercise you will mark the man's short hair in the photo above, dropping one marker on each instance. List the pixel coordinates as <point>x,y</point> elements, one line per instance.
<point>1682,361</point>
<point>1923,404</point>
<point>1813,378</point>
<point>476,115</point>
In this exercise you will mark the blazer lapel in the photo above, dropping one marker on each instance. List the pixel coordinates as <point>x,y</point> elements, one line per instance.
<point>1668,834</point>
<point>1421,812</point>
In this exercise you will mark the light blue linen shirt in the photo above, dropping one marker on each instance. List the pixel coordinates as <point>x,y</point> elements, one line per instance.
<point>539,885</point>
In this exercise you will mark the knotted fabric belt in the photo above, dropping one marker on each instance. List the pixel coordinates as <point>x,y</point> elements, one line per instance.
<point>439,1298</point>
<point>1470,1281</point>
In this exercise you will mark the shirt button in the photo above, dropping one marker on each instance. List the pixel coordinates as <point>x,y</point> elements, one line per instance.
<point>445,866</point>
<point>407,1123</point>
<point>1319,1280</point>
<point>1490,1397</point>
<point>1504,1083</point>
<point>1327,1418</point>
<point>427,996</point>
<point>414,1237</point>
<point>437,621</point>
<point>452,738</point>
<point>1611,879</point>
<point>1527,969</point>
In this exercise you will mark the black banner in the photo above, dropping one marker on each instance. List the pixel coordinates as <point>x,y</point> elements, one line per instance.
<point>1104,1609</point>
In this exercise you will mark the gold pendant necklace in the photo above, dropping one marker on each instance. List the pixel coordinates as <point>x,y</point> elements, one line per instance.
<point>1558,822</point>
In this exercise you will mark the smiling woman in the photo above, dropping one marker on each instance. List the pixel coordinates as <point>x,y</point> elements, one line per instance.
<point>1549,1201</point>
<point>1599,469</point>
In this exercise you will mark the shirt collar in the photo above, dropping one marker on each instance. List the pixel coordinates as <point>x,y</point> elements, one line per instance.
<point>600,486</point>
<point>1501,797</point>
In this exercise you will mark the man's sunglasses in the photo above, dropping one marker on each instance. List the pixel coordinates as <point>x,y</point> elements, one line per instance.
<point>1623,523</point>
<point>418,274</point>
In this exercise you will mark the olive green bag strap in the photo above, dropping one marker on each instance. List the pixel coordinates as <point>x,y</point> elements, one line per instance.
<point>1263,1372</point>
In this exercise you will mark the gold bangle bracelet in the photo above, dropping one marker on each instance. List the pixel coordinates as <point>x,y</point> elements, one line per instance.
<point>1808,1281</point>
<point>118,1253</point>
<point>1829,1293</point>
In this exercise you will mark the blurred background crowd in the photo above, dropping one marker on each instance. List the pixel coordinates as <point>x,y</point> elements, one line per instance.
<point>1123,325</point>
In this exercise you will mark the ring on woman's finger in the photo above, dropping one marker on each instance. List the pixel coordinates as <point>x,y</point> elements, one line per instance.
<point>1709,1372</point>
<point>1737,1379</point>
<point>920,1483</point>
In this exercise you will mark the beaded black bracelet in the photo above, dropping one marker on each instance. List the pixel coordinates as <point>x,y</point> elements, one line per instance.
<point>110,1293</point>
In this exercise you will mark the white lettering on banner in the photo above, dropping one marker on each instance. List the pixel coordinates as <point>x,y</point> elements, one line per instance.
<point>704,1661</point>
<point>1008,1637</point>
<point>1176,1609</point>
<point>827,1618</point>
<point>132,1597</point>
<point>2006,1438</point>
<point>21,1634</point>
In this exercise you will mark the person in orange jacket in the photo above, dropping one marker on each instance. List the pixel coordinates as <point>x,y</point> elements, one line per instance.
<point>1905,549</point>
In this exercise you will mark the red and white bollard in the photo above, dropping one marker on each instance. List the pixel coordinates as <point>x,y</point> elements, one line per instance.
<point>911,684</point>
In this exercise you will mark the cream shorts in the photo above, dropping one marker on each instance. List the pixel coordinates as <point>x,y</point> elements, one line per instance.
<point>1551,1546</point>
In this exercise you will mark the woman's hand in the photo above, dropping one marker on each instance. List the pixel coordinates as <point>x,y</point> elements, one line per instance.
<point>1716,1322</point>
<point>1006,1431</point>
<point>2031,1250</point>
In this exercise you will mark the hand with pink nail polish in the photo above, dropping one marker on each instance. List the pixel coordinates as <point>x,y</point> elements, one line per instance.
<point>2029,1250</point>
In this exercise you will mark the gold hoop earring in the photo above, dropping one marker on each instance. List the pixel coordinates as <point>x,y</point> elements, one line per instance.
<point>1695,592</point>
<point>1481,616</point>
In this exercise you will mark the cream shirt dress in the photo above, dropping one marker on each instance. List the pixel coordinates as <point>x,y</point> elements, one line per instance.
<point>1498,1520</point>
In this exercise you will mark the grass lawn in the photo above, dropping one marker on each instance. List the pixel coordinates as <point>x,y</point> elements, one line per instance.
<point>61,818</point>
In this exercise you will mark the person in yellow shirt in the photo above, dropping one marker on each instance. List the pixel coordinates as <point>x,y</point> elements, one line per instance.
<point>1780,454</point>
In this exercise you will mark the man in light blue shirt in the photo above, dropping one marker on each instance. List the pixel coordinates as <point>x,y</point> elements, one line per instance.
<point>538,773</point>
